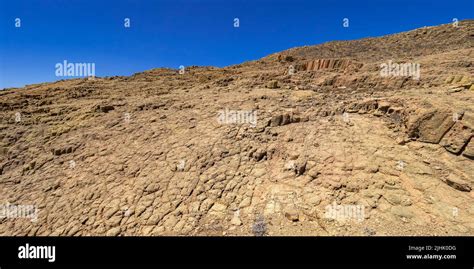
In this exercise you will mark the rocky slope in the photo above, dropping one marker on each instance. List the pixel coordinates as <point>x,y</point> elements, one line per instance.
<point>267,147</point>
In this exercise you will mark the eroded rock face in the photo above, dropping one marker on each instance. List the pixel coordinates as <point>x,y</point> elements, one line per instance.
<point>430,125</point>
<point>252,149</point>
<point>469,150</point>
<point>437,125</point>
<point>338,64</point>
<point>457,138</point>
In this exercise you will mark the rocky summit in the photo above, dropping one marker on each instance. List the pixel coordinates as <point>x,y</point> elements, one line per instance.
<point>364,137</point>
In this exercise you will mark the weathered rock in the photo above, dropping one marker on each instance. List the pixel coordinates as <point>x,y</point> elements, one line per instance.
<point>236,220</point>
<point>272,84</point>
<point>458,183</point>
<point>449,79</point>
<point>282,119</point>
<point>469,150</point>
<point>292,214</point>
<point>300,167</point>
<point>457,138</point>
<point>159,163</point>
<point>113,231</point>
<point>402,211</point>
<point>430,125</point>
<point>104,108</point>
<point>276,120</point>
<point>218,208</point>
<point>343,64</point>
<point>456,89</point>
<point>313,172</point>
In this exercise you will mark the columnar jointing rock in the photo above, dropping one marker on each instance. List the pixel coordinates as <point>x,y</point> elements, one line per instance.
<point>342,64</point>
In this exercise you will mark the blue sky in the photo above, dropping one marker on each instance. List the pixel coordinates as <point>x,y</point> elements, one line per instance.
<point>170,33</point>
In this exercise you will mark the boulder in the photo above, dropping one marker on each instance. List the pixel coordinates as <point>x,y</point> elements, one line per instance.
<point>283,119</point>
<point>272,84</point>
<point>469,150</point>
<point>457,183</point>
<point>429,125</point>
<point>292,214</point>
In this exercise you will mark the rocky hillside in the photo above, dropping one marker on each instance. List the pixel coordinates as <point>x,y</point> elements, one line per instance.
<point>315,140</point>
<point>419,42</point>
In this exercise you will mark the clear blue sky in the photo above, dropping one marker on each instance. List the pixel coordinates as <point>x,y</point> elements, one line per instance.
<point>170,33</point>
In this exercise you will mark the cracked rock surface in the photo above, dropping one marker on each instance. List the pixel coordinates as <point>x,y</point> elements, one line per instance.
<point>164,153</point>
